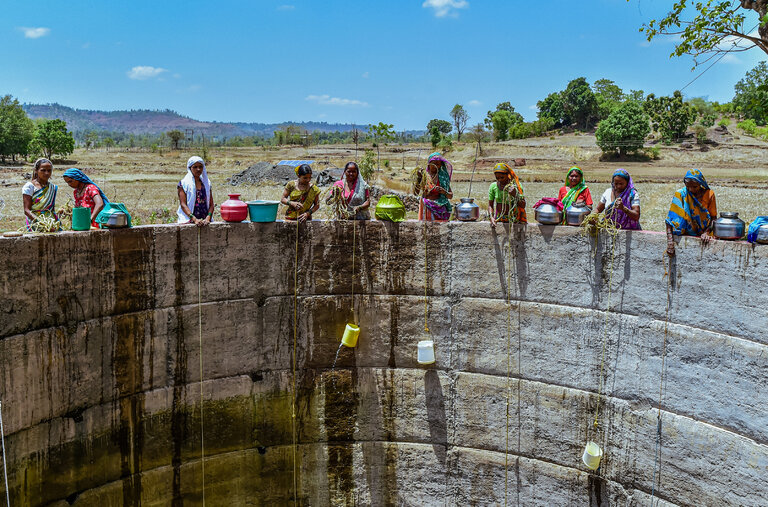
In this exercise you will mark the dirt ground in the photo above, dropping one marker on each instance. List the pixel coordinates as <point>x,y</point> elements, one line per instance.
<point>145,182</point>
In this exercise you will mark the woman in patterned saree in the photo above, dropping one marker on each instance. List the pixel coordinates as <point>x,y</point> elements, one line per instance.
<point>433,186</point>
<point>39,194</point>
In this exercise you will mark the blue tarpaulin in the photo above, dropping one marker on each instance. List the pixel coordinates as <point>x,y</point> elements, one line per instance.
<point>295,163</point>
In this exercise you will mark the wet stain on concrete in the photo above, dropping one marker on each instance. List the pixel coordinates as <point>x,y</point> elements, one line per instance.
<point>341,402</point>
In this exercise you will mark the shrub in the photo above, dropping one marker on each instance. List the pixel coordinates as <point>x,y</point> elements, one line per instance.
<point>701,134</point>
<point>708,119</point>
<point>724,122</point>
<point>654,152</point>
<point>748,126</point>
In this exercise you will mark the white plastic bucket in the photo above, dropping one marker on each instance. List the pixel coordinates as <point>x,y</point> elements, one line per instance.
<point>592,455</point>
<point>426,353</point>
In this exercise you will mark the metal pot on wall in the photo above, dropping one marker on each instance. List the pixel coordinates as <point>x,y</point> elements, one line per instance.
<point>762,235</point>
<point>576,213</point>
<point>548,214</point>
<point>467,210</point>
<point>729,226</point>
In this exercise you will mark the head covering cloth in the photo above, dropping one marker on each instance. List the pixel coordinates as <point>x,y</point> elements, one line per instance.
<point>619,217</point>
<point>188,185</point>
<point>78,175</point>
<point>575,190</point>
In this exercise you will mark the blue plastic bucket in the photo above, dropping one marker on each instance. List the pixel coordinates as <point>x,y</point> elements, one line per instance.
<point>262,211</point>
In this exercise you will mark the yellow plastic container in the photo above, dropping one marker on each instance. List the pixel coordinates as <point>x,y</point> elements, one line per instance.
<point>351,332</point>
<point>592,455</point>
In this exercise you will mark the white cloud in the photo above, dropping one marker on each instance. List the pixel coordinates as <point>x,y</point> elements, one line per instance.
<point>365,75</point>
<point>533,107</point>
<point>143,72</point>
<point>474,102</point>
<point>444,8</point>
<point>34,33</point>
<point>327,100</point>
<point>286,8</point>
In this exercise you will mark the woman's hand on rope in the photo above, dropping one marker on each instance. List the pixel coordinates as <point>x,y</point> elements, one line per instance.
<point>294,205</point>
<point>304,217</point>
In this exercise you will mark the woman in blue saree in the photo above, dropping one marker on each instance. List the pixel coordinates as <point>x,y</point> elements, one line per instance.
<point>693,210</point>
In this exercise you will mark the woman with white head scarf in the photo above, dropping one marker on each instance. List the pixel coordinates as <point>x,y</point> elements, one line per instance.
<point>195,198</point>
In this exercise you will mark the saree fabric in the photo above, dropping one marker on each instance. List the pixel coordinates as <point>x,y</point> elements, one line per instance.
<point>44,202</point>
<point>627,196</point>
<point>502,200</point>
<point>355,196</point>
<point>305,197</point>
<point>691,216</point>
<point>432,204</point>
<point>569,194</point>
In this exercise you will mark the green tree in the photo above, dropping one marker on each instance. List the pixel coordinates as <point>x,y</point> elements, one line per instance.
<point>381,133</point>
<point>460,118</point>
<point>175,136</point>
<point>552,107</point>
<point>90,139</point>
<point>636,95</point>
<point>711,27</point>
<point>751,99</point>
<point>670,116</point>
<point>503,106</point>
<point>435,136</point>
<point>16,129</point>
<point>52,138</point>
<point>624,131</point>
<point>443,126</point>
<point>579,102</point>
<point>367,165</point>
<point>502,121</point>
<point>108,142</point>
<point>608,95</point>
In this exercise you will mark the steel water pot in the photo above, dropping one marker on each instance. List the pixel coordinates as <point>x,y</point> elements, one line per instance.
<point>762,235</point>
<point>576,213</point>
<point>729,226</point>
<point>548,214</point>
<point>467,210</point>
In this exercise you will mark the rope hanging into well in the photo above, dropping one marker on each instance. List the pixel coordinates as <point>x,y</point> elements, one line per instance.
<point>200,354</point>
<point>613,233</point>
<point>354,247</point>
<point>426,328</point>
<point>5,466</point>
<point>293,359</point>
<point>509,362</point>
<point>657,450</point>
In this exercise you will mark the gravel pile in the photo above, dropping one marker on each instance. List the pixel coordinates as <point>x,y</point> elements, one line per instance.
<point>261,172</point>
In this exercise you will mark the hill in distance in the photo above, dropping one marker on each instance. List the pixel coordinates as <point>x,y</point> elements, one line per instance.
<point>145,121</point>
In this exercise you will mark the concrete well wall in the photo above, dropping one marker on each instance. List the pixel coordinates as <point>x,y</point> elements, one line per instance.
<point>101,357</point>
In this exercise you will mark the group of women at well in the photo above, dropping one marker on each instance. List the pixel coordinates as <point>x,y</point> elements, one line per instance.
<point>692,212</point>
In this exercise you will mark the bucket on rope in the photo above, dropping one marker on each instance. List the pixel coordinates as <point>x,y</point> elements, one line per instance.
<point>81,219</point>
<point>349,339</point>
<point>426,353</point>
<point>592,455</point>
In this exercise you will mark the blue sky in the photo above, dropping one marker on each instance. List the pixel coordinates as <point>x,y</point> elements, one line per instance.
<point>399,61</point>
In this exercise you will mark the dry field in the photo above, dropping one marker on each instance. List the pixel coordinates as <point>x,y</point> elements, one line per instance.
<point>146,182</point>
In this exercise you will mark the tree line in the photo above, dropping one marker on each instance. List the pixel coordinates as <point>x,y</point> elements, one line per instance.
<point>22,137</point>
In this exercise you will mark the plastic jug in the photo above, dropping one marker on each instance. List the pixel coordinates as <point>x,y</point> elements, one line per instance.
<point>81,219</point>
<point>592,455</point>
<point>349,339</point>
<point>426,354</point>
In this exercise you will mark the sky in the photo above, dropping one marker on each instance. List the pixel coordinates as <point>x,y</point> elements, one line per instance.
<point>402,62</point>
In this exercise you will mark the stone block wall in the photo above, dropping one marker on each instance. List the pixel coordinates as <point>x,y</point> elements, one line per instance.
<point>101,348</point>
